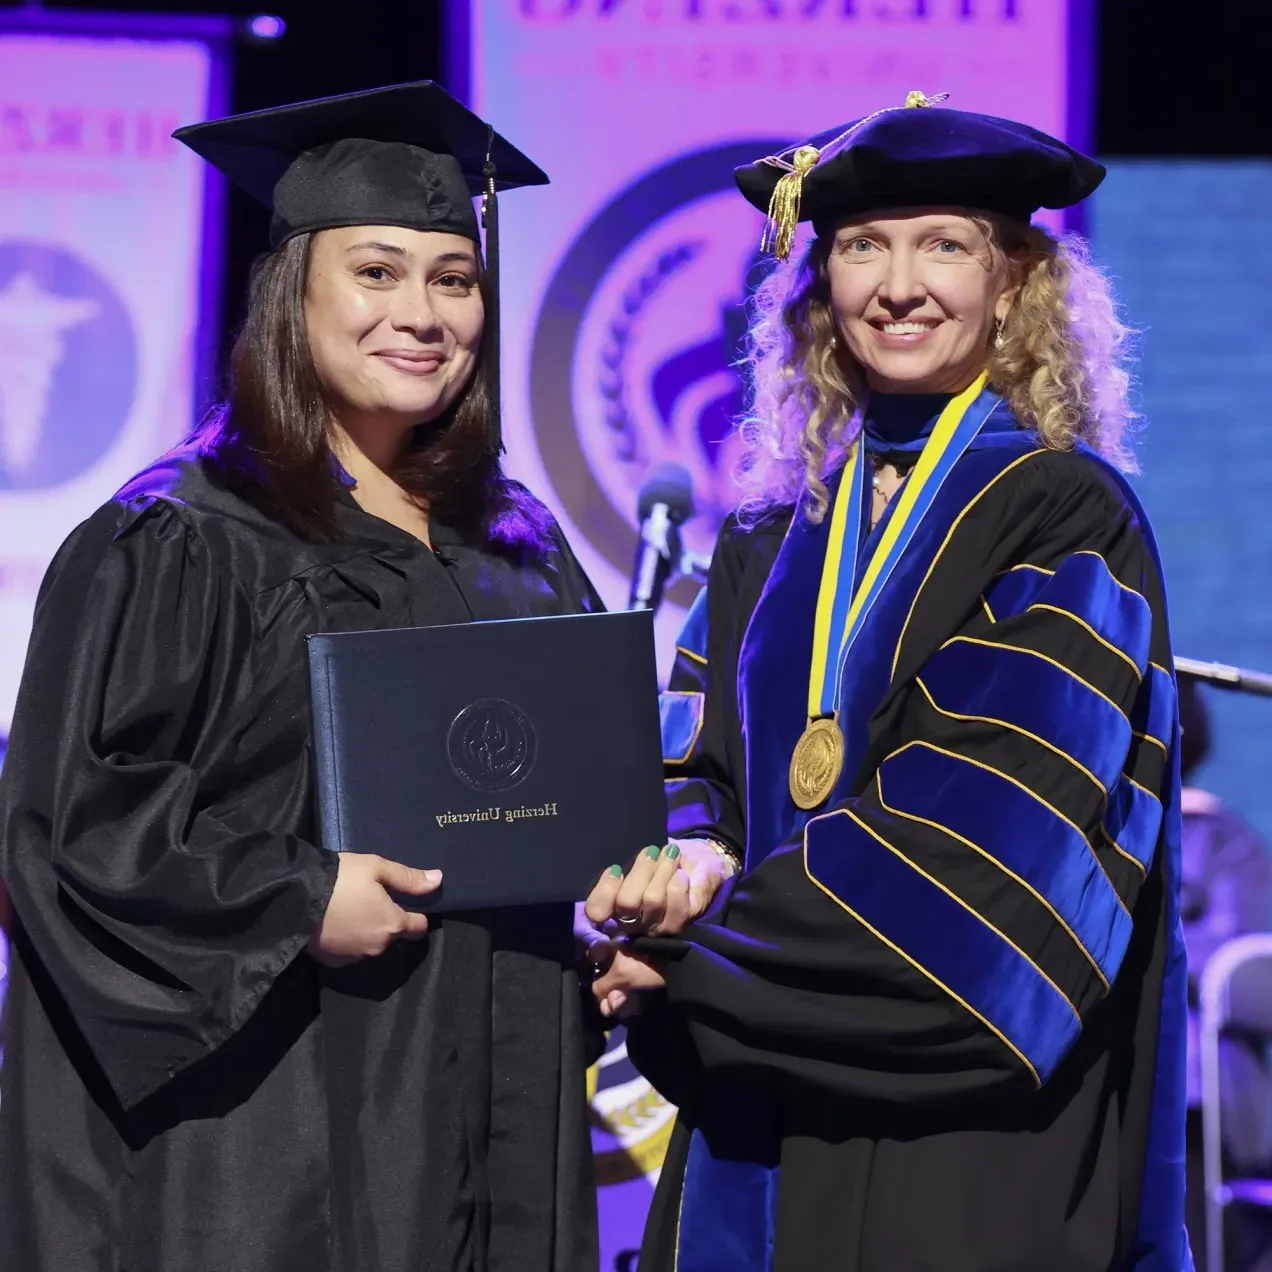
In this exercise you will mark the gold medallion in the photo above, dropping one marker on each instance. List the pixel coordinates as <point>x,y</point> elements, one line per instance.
<point>816,763</point>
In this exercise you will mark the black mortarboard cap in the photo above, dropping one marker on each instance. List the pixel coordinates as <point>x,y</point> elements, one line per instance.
<point>408,155</point>
<point>916,155</point>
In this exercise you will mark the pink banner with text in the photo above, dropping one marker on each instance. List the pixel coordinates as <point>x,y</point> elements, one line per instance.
<point>625,281</point>
<point>101,242</point>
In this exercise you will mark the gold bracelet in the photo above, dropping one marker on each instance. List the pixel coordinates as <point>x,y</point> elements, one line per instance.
<point>727,853</point>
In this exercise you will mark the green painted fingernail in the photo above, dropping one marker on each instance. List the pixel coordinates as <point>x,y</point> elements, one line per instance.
<point>673,851</point>
<point>616,872</point>
<point>653,852</point>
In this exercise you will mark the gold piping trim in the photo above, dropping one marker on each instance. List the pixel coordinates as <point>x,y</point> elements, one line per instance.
<point>1015,728</point>
<point>697,733</point>
<point>680,1214</point>
<point>989,768</point>
<point>1099,556</point>
<point>688,653</point>
<point>1028,887</point>
<point>896,656</point>
<point>990,612</point>
<point>1042,569</point>
<point>1156,799</point>
<point>1081,622</point>
<point>1033,653</point>
<point>1148,737</point>
<point>843,812</point>
<point>1112,843</point>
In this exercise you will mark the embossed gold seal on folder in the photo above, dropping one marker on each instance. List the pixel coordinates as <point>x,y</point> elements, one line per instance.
<point>491,745</point>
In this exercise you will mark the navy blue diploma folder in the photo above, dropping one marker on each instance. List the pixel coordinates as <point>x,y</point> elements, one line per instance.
<point>520,757</point>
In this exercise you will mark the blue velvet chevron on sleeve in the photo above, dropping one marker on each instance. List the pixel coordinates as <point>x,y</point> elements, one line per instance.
<point>681,706</point>
<point>700,794</point>
<point>680,713</point>
<point>1000,853</point>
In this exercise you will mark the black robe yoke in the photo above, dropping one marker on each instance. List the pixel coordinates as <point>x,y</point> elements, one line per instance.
<point>936,1025</point>
<point>184,1088</point>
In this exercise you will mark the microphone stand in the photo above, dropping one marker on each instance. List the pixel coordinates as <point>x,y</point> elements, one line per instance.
<point>694,565</point>
<point>1224,677</point>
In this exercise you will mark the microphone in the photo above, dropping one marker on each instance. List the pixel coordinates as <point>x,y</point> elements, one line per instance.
<point>695,565</point>
<point>664,503</point>
<point>1224,677</point>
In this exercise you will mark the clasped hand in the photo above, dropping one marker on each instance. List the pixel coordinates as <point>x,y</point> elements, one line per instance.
<point>362,920</point>
<point>663,891</point>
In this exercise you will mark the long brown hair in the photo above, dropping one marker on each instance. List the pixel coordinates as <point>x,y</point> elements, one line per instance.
<point>270,441</point>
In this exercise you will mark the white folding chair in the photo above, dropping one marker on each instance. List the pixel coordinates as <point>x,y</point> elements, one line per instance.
<point>1234,994</point>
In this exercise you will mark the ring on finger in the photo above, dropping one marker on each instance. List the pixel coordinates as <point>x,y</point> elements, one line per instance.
<point>629,918</point>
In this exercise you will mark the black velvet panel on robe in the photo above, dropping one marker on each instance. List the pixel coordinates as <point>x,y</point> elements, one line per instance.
<point>184,1089</point>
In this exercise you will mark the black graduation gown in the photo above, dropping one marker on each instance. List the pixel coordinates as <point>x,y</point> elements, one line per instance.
<point>184,1088</point>
<point>938,1023</point>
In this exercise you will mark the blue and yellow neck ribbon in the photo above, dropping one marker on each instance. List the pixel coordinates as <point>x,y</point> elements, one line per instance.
<point>842,604</point>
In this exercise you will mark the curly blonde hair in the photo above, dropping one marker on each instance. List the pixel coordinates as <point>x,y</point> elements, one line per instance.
<point>1061,364</point>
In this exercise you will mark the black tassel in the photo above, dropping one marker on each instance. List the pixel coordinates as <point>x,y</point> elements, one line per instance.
<point>490,222</point>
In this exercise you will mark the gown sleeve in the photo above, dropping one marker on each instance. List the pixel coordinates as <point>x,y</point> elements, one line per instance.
<point>579,593</point>
<point>953,926</point>
<point>702,795</point>
<point>153,897</point>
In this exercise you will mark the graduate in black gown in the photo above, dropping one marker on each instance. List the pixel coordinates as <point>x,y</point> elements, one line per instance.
<point>228,1050</point>
<point>936,1019</point>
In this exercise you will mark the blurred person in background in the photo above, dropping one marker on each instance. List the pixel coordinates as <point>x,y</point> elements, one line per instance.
<point>1225,892</point>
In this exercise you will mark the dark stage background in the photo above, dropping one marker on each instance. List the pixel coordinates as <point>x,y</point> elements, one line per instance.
<point>1183,117</point>
<point>1176,78</point>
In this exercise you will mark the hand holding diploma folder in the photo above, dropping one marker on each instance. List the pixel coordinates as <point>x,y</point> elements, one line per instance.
<point>520,757</point>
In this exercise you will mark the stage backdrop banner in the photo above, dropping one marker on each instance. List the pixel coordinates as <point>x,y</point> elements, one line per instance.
<point>101,245</point>
<point>625,281</point>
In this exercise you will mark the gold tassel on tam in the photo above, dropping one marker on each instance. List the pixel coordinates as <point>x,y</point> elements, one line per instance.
<point>783,211</point>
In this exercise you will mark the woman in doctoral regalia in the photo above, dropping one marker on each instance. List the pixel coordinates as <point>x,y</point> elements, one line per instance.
<point>226,1048</point>
<point>936,1019</point>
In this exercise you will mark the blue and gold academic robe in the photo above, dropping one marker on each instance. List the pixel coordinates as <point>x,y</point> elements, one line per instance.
<point>937,1023</point>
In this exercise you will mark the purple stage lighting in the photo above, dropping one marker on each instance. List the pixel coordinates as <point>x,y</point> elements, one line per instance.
<point>266,26</point>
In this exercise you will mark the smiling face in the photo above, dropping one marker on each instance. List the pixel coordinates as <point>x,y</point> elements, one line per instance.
<point>394,319</point>
<point>916,296</point>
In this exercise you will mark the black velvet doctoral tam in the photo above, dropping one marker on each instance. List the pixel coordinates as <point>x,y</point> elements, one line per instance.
<point>924,156</point>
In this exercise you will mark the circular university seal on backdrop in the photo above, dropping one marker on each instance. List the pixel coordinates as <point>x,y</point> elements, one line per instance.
<point>491,745</point>
<point>634,352</point>
<point>68,365</point>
